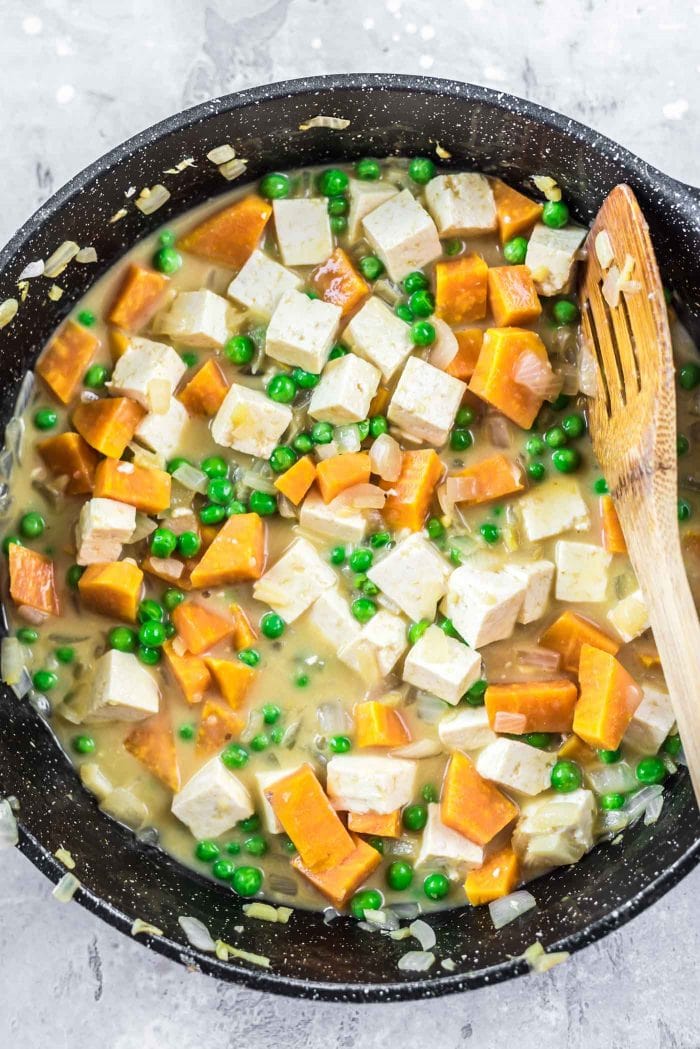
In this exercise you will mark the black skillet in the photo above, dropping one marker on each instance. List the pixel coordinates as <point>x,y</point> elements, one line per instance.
<point>123,878</point>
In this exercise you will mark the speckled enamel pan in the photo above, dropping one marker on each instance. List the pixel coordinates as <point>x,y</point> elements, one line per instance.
<point>123,878</point>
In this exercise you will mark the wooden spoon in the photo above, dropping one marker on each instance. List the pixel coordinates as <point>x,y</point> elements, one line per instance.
<point>633,429</point>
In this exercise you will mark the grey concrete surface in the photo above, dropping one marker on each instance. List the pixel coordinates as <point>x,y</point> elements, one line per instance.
<point>75,79</point>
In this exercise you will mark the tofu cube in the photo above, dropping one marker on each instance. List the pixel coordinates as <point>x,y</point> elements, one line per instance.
<point>630,616</point>
<point>345,391</point>
<point>537,577</point>
<point>378,335</point>
<point>442,665</point>
<point>425,402</point>
<point>103,526</point>
<point>199,318</point>
<point>303,231</point>
<point>443,847</point>
<point>483,605</point>
<point>122,689</point>
<point>365,197</point>
<point>466,729</point>
<point>368,783</point>
<point>164,432</point>
<point>250,422</point>
<point>403,234</point>
<point>550,256</point>
<point>331,618</point>
<point>212,801</point>
<point>517,766</point>
<point>413,575</point>
<point>264,780</point>
<point>555,831</point>
<point>582,571</point>
<point>261,283</point>
<point>552,508</point>
<point>375,651</point>
<point>652,722</point>
<point>301,331</point>
<point>336,522</point>
<point>461,204</point>
<point>143,363</point>
<point>295,581</point>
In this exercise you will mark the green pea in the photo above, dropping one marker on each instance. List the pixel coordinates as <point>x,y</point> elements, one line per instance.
<point>262,503</point>
<point>189,358</point>
<point>574,425</point>
<point>338,205</point>
<point>672,745</point>
<point>32,525</point>
<point>271,713</point>
<point>122,639</point>
<point>378,425</point>
<point>689,376</point>
<point>369,588</point>
<point>27,635</point>
<point>187,731</point>
<point>403,312</point>
<point>340,744</point>
<point>214,466</point>
<point>460,440</point>
<point>239,349</point>
<point>650,770</point>
<point>176,463</point>
<point>682,444</point>
<point>249,656</point>
<point>566,776</point>
<point>150,610</point>
<point>189,544</point>
<point>368,169</point>
<point>465,416</point>
<point>96,376</point>
<point>211,514</point>
<point>555,214</point>
<point>685,510</point>
<point>555,437</point>
<point>399,875</point>
<point>255,845</point>
<point>339,224</point>
<point>365,900</point>
<point>312,293</point>
<point>74,575</point>
<point>44,680</point>
<point>281,388</point>
<point>561,402</point>
<point>206,851</point>
<point>235,507</point>
<point>430,793</point>
<point>535,446</point>
<point>515,250</point>
<point>235,756</point>
<point>453,246</point>
<point>363,608</point>
<point>612,801</point>
<point>260,742</point>
<point>435,528</point>
<point>361,559</point>
<point>272,625</point>
<point>600,486</point>
<point>436,886</point>
<point>566,460</point>
<point>152,634</point>
<point>166,238</point>
<point>414,817</point>
<point>305,380</point>
<point>414,282</point>
<point>172,598</point>
<point>322,433</point>
<point>302,443</point>
<point>474,696</point>
<point>337,555</point>
<point>540,740</point>
<point>220,491</point>
<point>359,580</point>
<point>65,654</point>
<point>337,351</point>
<point>301,679</point>
<point>167,260</point>
<point>536,471</point>
<point>247,881</point>
<point>277,735</point>
<point>87,318</point>
<point>565,312</point>
<point>223,869</point>
<point>45,418</point>
<point>422,303</point>
<point>250,823</point>
<point>421,170</point>
<point>163,542</point>
<point>233,848</point>
<point>422,333</point>
<point>416,630</point>
<point>379,539</point>
<point>83,744</point>
<point>274,186</point>
<point>333,182</point>
<point>490,533</point>
<point>149,656</point>
<point>282,458</point>
<point>610,757</point>
<point>371,267</point>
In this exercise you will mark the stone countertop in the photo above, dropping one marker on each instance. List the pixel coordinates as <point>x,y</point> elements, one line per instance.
<point>75,79</point>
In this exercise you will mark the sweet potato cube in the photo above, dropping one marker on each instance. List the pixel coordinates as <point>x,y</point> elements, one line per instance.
<point>189,672</point>
<point>200,628</point>
<point>380,401</point>
<point>295,482</point>
<point>63,362</point>
<point>377,823</point>
<point>32,581</point>
<point>337,281</point>
<point>461,287</point>
<point>377,725</point>
<point>516,213</point>
<point>68,455</point>
<point>613,539</point>
<point>569,632</point>
<point>609,698</point>
<point>108,424</point>
<point>493,379</point>
<point>339,472</point>
<point>236,555</point>
<point>497,877</point>
<point>244,635</point>
<point>574,749</point>
<point>112,589</point>
<point>218,725</point>
<point>140,294</point>
<point>206,390</point>
<point>141,486</point>
<point>231,235</point>
<point>118,343</point>
<point>469,342</point>
<point>232,678</point>
<point>340,882</point>
<point>412,493</point>
<point>492,478</point>
<point>472,805</point>
<point>541,706</point>
<point>153,744</point>
<point>513,297</point>
<point>300,804</point>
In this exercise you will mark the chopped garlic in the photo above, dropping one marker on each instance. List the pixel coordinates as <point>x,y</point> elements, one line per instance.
<point>547,187</point>
<point>443,153</point>
<point>265,912</point>
<point>64,857</point>
<point>233,168</point>
<point>59,259</point>
<point>86,255</point>
<point>118,215</point>
<point>149,200</point>
<point>221,154</point>
<point>224,951</point>
<point>335,123</point>
<point>139,926</point>
<point>55,292</point>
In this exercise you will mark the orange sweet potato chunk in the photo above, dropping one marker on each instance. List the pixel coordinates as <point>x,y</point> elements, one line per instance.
<point>200,628</point>
<point>461,288</point>
<point>68,455</point>
<point>232,678</point>
<point>574,749</point>
<point>206,390</point>
<point>613,539</point>
<point>472,805</point>
<point>189,672</point>
<point>413,492</point>
<point>492,478</point>
<point>231,235</point>
<point>112,588</point>
<point>569,632</point>
<point>244,636</point>
<point>65,359</point>
<point>118,343</point>
<point>236,555</point>
<point>469,342</point>
<point>153,744</point>
<point>140,294</point>
<point>340,882</point>
<point>141,486</point>
<point>493,379</point>
<point>377,725</point>
<point>542,706</point>
<point>108,424</point>
<point>609,698</point>
<point>32,580</point>
<point>513,297</point>
<point>339,472</point>
<point>383,825</point>
<point>380,401</point>
<point>218,725</point>
<point>497,877</point>
<point>337,281</point>
<point>300,804</point>
<point>516,213</point>
<point>295,482</point>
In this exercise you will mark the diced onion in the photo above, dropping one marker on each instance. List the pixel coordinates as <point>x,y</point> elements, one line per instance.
<point>9,833</point>
<point>66,888</point>
<point>461,489</point>
<point>144,527</point>
<point>540,961</point>
<point>86,256</point>
<point>347,438</point>
<point>12,660</point>
<point>508,908</point>
<point>429,708</point>
<point>508,721</point>
<point>604,250</point>
<point>168,566</point>
<point>196,932</point>
<point>416,961</point>
<point>331,718</point>
<point>537,376</point>
<point>547,186</point>
<point>420,748</point>
<point>444,349</point>
<point>334,123</point>
<point>536,656</point>
<point>32,269</point>
<point>265,912</point>
<point>449,964</point>
<point>59,259</point>
<point>94,779</point>
<point>65,857</point>
<point>613,779</point>
<point>359,497</point>
<point>637,805</point>
<point>408,911</point>
<point>383,919</point>
<point>587,370</point>
<point>233,168</point>
<point>192,478</point>
<point>8,311</point>
<point>653,810</point>
<point>258,479</point>
<point>140,927</point>
<point>149,200</point>
<point>386,457</point>
<point>498,431</point>
<point>221,154</point>
<point>424,933</point>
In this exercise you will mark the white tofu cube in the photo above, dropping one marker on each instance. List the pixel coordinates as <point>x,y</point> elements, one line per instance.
<point>103,526</point>
<point>295,581</point>
<point>403,234</point>
<point>368,783</point>
<point>461,204</point>
<point>378,335</point>
<point>331,618</point>
<point>212,801</point>
<point>199,318</point>
<point>425,402</point>
<point>443,847</point>
<point>652,722</point>
<point>552,508</point>
<point>483,605</point>
<point>122,689</point>
<point>550,256</point>
<point>303,231</point>
<point>582,571</point>
<point>516,766</point>
<point>442,665</point>
<point>264,780</point>
<point>630,616</point>
<point>261,283</point>
<point>555,831</point>
<point>466,729</point>
<point>375,651</point>
<point>335,522</point>
<point>537,577</point>
<point>345,391</point>
<point>143,363</point>
<point>301,331</point>
<point>365,197</point>
<point>250,422</point>
<point>413,575</point>
<point>164,432</point>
